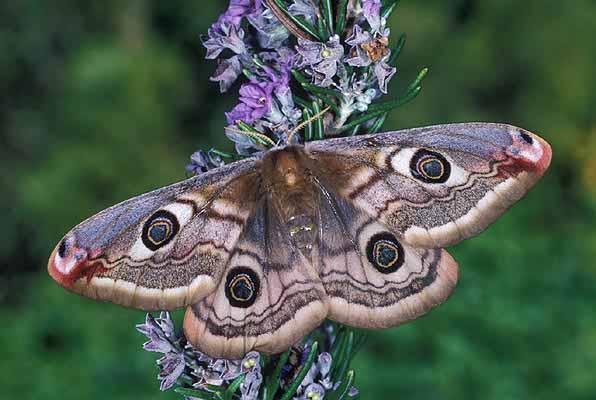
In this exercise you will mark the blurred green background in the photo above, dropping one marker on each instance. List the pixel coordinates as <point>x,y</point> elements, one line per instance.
<point>101,101</point>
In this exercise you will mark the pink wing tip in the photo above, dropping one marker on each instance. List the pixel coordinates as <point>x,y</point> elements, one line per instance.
<point>69,263</point>
<point>530,152</point>
<point>546,158</point>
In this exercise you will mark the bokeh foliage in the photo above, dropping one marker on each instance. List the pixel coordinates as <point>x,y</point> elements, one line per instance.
<point>104,100</point>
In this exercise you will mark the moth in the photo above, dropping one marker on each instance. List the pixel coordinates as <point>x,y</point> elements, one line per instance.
<point>262,250</point>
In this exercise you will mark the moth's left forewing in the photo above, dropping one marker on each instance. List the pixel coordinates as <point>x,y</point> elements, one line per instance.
<point>437,185</point>
<point>161,250</point>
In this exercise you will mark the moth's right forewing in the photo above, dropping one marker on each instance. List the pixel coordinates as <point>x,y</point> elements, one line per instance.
<point>438,185</point>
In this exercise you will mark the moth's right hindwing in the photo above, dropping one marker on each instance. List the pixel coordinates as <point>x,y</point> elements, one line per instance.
<point>374,279</point>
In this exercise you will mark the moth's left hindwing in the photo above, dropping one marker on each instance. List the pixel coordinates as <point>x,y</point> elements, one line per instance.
<point>161,250</point>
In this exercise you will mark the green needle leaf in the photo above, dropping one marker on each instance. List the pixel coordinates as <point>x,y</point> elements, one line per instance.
<point>313,88</point>
<point>388,7</point>
<point>274,379</point>
<point>342,9</point>
<point>336,349</point>
<point>302,103</point>
<point>416,83</point>
<point>306,115</point>
<point>411,92</point>
<point>342,391</point>
<point>319,130</point>
<point>199,394</point>
<point>397,50</point>
<point>223,154</point>
<point>229,393</point>
<point>327,14</point>
<point>378,124</point>
<point>385,107</point>
<point>298,21</point>
<point>345,353</point>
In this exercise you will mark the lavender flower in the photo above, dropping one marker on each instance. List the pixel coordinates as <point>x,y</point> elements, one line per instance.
<point>162,339</point>
<point>202,370</point>
<point>201,161</point>
<point>368,49</point>
<point>271,34</point>
<point>160,332</point>
<point>314,391</point>
<point>255,102</point>
<point>372,12</point>
<point>384,72</point>
<point>306,9</point>
<point>283,114</point>
<point>227,72</point>
<point>172,366</point>
<point>263,50</point>
<point>224,36</point>
<point>317,381</point>
<point>237,10</point>
<point>322,58</point>
<point>205,373</point>
<point>249,389</point>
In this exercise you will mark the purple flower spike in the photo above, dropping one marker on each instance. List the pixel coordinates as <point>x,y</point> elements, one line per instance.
<point>322,58</point>
<point>372,12</point>
<point>201,161</point>
<point>237,10</point>
<point>172,366</point>
<point>384,72</point>
<point>159,333</point>
<point>313,391</point>
<point>224,36</point>
<point>270,32</point>
<point>306,9</point>
<point>370,49</point>
<point>226,73</point>
<point>250,387</point>
<point>255,102</point>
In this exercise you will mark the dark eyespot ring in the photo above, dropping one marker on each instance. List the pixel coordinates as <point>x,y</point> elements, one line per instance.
<point>159,229</point>
<point>430,167</point>
<point>242,287</point>
<point>385,253</point>
<point>526,138</point>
